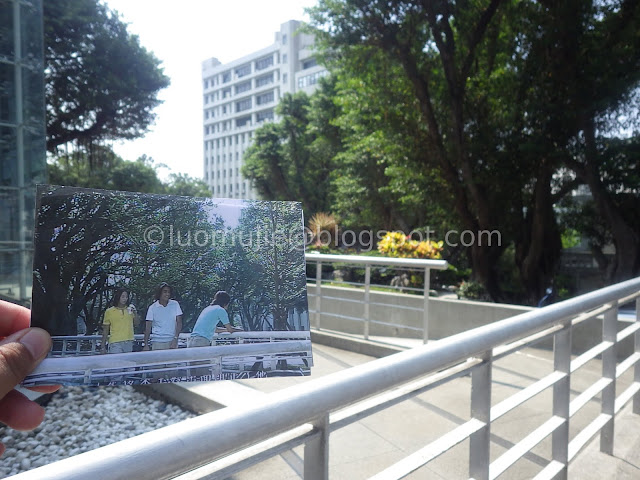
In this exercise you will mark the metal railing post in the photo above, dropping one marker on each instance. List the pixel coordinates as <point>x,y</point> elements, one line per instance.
<point>636,369</point>
<point>562,397</point>
<point>316,452</point>
<point>425,311</point>
<point>479,442</point>
<point>367,299</point>
<point>318,292</point>
<point>609,333</point>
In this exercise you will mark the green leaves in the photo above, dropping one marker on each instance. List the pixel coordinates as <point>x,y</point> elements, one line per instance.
<point>101,84</point>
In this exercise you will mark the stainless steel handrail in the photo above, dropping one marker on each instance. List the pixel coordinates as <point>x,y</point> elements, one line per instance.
<point>183,447</point>
<point>424,265</point>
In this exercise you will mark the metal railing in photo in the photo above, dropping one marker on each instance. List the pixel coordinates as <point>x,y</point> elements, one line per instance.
<point>307,414</point>
<point>81,345</point>
<point>315,292</point>
<point>286,356</point>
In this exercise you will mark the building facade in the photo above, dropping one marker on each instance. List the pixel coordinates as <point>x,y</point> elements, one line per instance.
<point>22,141</point>
<point>239,96</point>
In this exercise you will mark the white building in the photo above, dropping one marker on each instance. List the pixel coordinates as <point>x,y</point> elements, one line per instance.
<point>240,95</point>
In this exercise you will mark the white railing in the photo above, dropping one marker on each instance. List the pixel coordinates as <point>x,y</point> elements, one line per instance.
<point>81,345</point>
<point>237,355</point>
<point>308,413</point>
<point>424,266</point>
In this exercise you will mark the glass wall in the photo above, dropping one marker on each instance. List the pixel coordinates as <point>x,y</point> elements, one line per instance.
<point>22,141</point>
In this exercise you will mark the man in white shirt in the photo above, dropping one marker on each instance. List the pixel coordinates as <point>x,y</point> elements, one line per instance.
<point>164,320</point>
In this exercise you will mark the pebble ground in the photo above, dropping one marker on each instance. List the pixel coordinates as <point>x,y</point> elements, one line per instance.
<point>80,419</point>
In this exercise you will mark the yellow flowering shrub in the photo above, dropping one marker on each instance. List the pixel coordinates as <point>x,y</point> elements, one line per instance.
<point>397,244</point>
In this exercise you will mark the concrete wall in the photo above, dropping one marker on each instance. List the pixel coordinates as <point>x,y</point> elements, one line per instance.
<point>446,317</point>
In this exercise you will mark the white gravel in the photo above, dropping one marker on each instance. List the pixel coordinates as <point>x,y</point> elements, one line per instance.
<point>81,419</point>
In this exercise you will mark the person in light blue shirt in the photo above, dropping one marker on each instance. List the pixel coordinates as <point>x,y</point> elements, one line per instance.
<point>211,319</point>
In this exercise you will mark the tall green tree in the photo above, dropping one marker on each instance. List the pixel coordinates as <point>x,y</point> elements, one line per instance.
<point>499,87</point>
<point>100,83</point>
<point>291,159</point>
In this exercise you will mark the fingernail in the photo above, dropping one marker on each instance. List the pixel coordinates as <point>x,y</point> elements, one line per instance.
<point>37,341</point>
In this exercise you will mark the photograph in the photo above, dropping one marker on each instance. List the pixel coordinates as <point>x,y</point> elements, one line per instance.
<point>144,288</point>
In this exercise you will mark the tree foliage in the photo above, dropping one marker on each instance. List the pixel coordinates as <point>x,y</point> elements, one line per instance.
<point>291,159</point>
<point>109,171</point>
<point>484,116</point>
<point>100,83</point>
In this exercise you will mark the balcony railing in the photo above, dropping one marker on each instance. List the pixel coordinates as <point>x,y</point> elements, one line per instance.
<point>238,355</point>
<point>308,413</point>
<point>423,266</point>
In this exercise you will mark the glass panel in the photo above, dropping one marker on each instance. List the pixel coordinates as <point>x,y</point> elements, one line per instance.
<point>6,30</point>
<point>35,163</point>
<point>7,93</point>
<point>31,33</point>
<point>8,158</point>
<point>33,97</point>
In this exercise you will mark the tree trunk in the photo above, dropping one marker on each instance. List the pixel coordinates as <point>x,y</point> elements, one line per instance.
<point>539,247</point>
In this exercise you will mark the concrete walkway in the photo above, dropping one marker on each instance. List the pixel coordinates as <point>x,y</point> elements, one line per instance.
<point>362,449</point>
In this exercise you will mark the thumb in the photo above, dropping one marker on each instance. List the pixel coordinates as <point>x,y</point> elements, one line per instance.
<point>20,353</point>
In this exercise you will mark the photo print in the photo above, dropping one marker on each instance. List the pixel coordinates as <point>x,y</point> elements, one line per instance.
<point>142,288</point>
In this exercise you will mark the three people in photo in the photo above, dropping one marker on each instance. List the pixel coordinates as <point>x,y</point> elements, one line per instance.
<point>163,322</point>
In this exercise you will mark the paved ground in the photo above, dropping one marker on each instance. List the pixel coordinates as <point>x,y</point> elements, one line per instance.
<point>364,448</point>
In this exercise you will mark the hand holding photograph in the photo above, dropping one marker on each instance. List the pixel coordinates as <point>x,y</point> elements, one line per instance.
<point>143,288</point>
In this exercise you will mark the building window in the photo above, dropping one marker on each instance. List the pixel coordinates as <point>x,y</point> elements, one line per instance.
<point>264,98</point>
<point>312,79</point>
<point>243,87</point>
<point>265,115</point>
<point>206,130</point>
<point>265,62</point>
<point>309,63</point>
<point>243,105</point>
<point>264,80</point>
<point>284,78</point>
<point>284,38</point>
<point>284,58</point>
<point>206,83</point>
<point>226,77</point>
<point>226,92</point>
<point>243,70</point>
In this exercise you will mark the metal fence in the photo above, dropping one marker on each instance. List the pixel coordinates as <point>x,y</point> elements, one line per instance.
<point>81,345</point>
<point>306,414</point>
<point>315,292</point>
<point>231,356</point>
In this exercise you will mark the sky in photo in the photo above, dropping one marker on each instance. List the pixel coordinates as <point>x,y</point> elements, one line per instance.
<point>182,35</point>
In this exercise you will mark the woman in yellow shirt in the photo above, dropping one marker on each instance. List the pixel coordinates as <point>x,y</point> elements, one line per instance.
<point>118,324</point>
